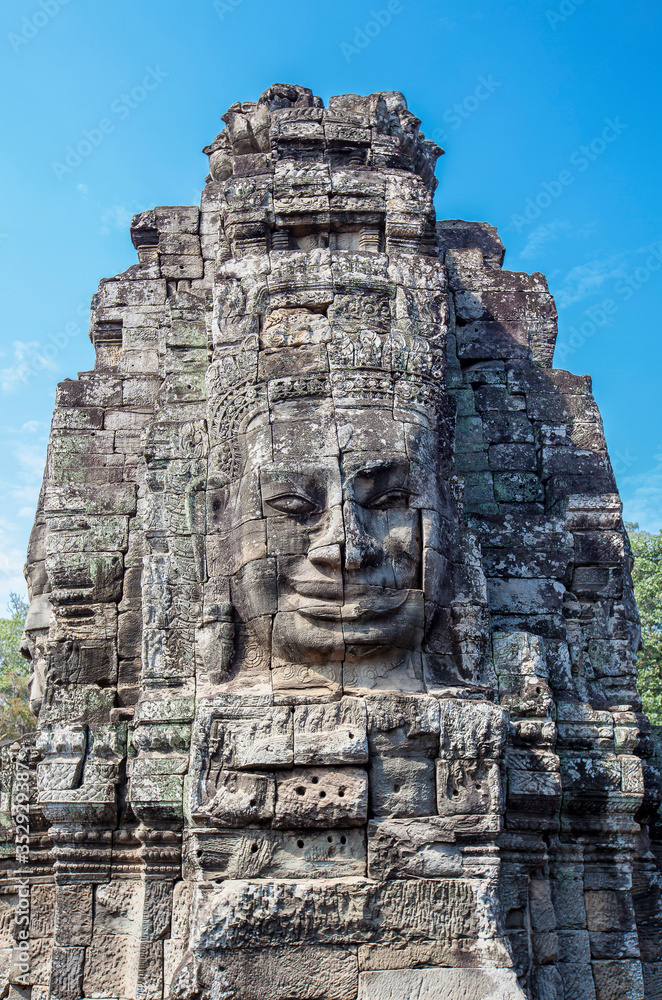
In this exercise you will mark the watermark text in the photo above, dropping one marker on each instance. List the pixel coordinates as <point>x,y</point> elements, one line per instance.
<point>120,108</point>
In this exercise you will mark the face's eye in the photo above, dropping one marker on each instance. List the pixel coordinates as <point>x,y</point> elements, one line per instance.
<point>292,503</point>
<point>390,500</point>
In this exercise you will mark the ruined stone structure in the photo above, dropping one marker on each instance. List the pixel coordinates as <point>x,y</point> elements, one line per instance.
<point>332,627</point>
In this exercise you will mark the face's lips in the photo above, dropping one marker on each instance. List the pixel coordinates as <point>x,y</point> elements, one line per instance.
<point>357,611</point>
<point>362,650</point>
<point>317,594</point>
<point>327,612</point>
<point>323,588</point>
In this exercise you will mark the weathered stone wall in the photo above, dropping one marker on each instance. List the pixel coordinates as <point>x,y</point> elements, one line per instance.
<point>332,627</point>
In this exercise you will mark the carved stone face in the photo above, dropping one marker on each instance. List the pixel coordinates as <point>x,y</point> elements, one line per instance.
<point>342,503</point>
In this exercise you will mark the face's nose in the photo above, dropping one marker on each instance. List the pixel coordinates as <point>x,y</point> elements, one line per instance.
<point>326,549</point>
<point>361,550</point>
<point>326,555</point>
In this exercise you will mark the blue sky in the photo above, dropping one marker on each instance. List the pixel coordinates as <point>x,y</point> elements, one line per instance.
<point>547,109</point>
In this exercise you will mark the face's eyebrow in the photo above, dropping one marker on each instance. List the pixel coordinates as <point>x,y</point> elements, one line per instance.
<point>365,466</point>
<point>317,481</point>
<point>273,479</point>
<point>274,482</point>
<point>371,476</point>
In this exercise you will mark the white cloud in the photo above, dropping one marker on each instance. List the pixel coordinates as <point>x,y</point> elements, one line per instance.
<point>82,189</point>
<point>25,494</point>
<point>588,279</point>
<point>541,236</point>
<point>12,560</point>
<point>115,217</point>
<point>26,448</point>
<point>29,360</point>
<point>30,459</point>
<point>25,451</point>
<point>587,230</point>
<point>32,426</point>
<point>642,498</point>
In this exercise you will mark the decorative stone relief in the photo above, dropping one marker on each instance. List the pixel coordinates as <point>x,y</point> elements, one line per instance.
<point>332,630</point>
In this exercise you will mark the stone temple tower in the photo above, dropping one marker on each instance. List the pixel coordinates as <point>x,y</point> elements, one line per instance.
<point>331,625</point>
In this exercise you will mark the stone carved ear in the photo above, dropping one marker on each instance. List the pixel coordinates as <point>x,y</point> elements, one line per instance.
<point>214,643</point>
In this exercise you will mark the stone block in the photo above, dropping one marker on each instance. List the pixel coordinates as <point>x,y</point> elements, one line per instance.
<point>594,512</point>
<point>512,457</point>
<point>468,787</point>
<point>525,596</point>
<point>529,378</point>
<point>239,798</point>
<point>148,970</point>
<point>441,984</point>
<point>236,916</point>
<point>157,909</point>
<point>492,339</point>
<point>548,982</point>
<point>129,634</point>
<point>173,959</point>
<point>100,499</point>
<point>250,739</point>
<point>159,792</point>
<point>507,428</point>
<point>469,434</point>
<point>294,972</point>
<point>528,563</point>
<point>109,965</point>
<point>259,853</point>
<point>614,944</point>
<point>426,847</point>
<point>479,489</point>
<point>401,785</point>
<point>599,547</point>
<point>577,980</point>
<point>74,915</point>
<point>89,392</point>
<point>533,781</point>
<point>42,910</point>
<point>321,797</point>
<point>66,979</point>
<point>607,910</point>
<point>559,460</point>
<point>331,734</point>
<point>620,980</point>
<point>180,266</point>
<point>471,730</point>
<point>574,946</point>
<point>588,774</point>
<point>405,717</point>
<point>458,234</point>
<point>518,487</point>
<point>40,964</point>
<point>525,694</point>
<point>652,972</point>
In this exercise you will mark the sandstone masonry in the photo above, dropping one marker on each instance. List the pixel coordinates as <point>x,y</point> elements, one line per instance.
<point>331,624</point>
